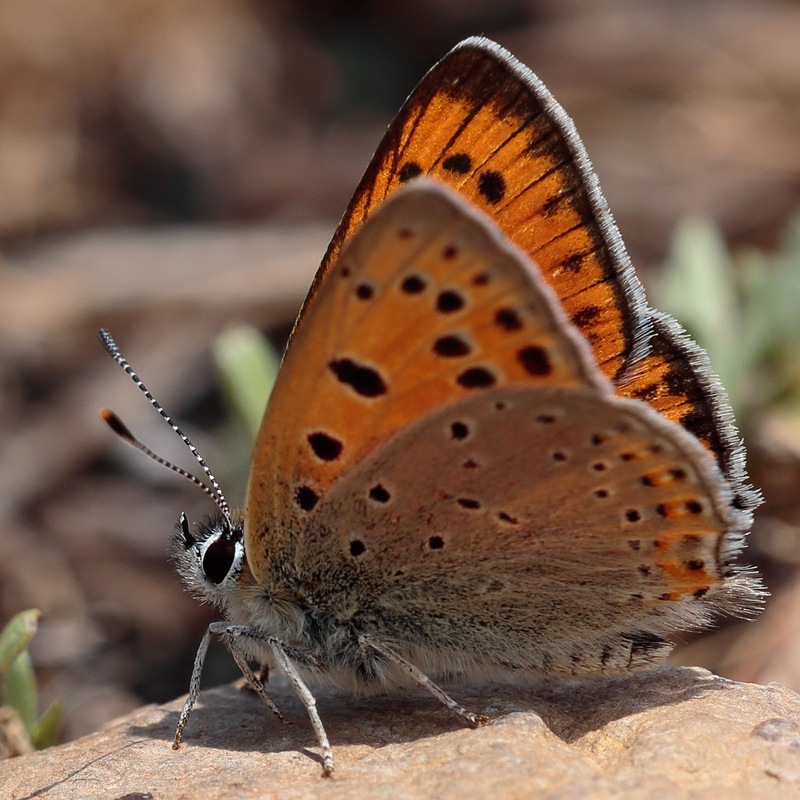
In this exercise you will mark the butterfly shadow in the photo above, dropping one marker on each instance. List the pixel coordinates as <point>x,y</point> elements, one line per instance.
<point>573,708</point>
<point>231,718</point>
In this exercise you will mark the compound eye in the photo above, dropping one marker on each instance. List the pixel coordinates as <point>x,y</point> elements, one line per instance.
<point>218,559</point>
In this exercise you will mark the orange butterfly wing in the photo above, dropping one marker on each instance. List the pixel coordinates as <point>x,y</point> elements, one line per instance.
<point>676,379</point>
<point>483,123</point>
<point>429,314</point>
<point>425,308</point>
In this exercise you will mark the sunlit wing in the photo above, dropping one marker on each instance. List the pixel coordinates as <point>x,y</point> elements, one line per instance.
<point>427,305</point>
<point>483,123</point>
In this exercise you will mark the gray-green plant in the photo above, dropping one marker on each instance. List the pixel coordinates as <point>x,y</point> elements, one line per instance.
<point>248,365</point>
<point>18,687</point>
<point>744,309</point>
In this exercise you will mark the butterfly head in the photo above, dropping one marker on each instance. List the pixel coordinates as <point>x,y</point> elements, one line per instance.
<point>210,558</point>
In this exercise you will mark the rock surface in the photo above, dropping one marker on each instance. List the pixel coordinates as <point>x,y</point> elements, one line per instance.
<point>675,732</point>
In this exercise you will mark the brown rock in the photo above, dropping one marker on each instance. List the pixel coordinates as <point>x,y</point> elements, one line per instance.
<point>675,732</point>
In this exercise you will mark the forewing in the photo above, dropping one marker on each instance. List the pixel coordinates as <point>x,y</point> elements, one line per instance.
<point>483,123</point>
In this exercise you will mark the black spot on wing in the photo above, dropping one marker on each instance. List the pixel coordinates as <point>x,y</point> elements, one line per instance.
<point>459,430</point>
<point>413,284</point>
<point>507,319</point>
<point>325,447</point>
<point>451,347</point>
<point>476,378</point>
<point>535,361</point>
<point>468,502</point>
<point>459,163</point>
<point>450,252</point>
<point>436,543</point>
<point>449,301</point>
<point>586,316</point>
<point>306,498</point>
<point>408,171</point>
<point>357,548</point>
<point>492,185</point>
<point>379,494</point>
<point>365,381</point>
<point>364,291</point>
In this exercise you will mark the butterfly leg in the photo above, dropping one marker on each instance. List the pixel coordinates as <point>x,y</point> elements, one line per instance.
<point>228,631</point>
<point>308,700</point>
<point>263,679</point>
<point>417,675</point>
<point>194,688</point>
<point>256,684</point>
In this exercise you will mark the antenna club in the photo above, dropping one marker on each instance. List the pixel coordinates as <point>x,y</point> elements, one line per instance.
<point>116,424</point>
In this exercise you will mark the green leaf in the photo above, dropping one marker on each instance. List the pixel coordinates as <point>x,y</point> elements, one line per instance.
<point>19,690</point>
<point>15,636</point>
<point>47,727</point>
<point>786,316</point>
<point>790,243</point>
<point>18,679</point>
<point>761,337</point>
<point>698,288</point>
<point>248,365</point>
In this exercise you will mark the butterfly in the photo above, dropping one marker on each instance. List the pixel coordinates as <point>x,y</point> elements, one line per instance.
<point>484,451</point>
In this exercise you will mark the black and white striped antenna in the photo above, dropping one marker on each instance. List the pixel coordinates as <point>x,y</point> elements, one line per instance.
<point>116,425</point>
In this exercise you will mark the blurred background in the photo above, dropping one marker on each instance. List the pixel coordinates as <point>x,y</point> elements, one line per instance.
<point>169,168</point>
